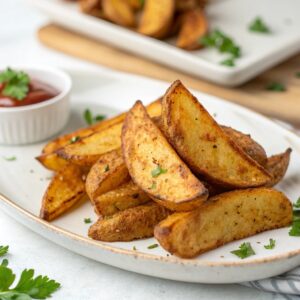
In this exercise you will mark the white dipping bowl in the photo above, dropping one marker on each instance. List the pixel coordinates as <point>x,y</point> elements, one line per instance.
<point>37,122</point>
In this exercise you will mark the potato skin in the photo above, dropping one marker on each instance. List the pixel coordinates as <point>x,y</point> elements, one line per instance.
<point>206,149</point>
<point>52,161</point>
<point>146,149</point>
<point>130,224</point>
<point>66,189</point>
<point>224,218</point>
<point>126,196</point>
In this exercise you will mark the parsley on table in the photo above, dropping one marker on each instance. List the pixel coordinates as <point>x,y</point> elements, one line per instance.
<point>258,25</point>
<point>87,220</point>
<point>271,245</point>
<point>134,248</point>
<point>28,286</point>
<point>158,171</point>
<point>16,83</point>
<point>90,119</point>
<point>152,246</point>
<point>3,250</point>
<point>228,62</point>
<point>11,158</point>
<point>276,87</point>
<point>245,250</point>
<point>297,204</point>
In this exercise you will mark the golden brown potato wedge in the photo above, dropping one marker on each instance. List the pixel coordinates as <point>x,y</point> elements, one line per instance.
<point>194,26</point>
<point>108,173</point>
<point>204,146</point>
<point>155,166</point>
<point>248,145</point>
<point>66,189</point>
<point>130,224</point>
<point>91,7</point>
<point>157,18</point>
<point>119,12</point>
<point>126,196</point>
<point>52,161</point>
<point>224,218</point>
<point>135,4</point>
<point>277,165</point>
<point>185,5</point>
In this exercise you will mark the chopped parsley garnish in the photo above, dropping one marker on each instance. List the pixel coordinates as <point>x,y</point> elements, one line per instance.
<point>224,44</point>
<point>106,169</point>
<point>258,25</point>
<point>295,230</point>
<point>3,250</point>
<point>245,250</point>
<point>74,139</point>
<point>153,186</point>
<point>158,171</point>
<point>87,220</point>
<point>11,158</point>
<point>28,286</point>
<point>152,246</point>
<point>271,245</point>
<point>90,119</point>
<point>276,87</point>
<point>134,248</point>
<point>297,204</point>
<point>297,74</point>
<point>16,84</point>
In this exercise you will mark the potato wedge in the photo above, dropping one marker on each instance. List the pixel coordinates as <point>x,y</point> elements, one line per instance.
<point>52,161</point>
<point>277,165</point>
<point>204,146</point>
<point>66,189</point>
<point>157,18</point>
<point>155,166</point>
<point>92,7</point>
<point>126,196</point>
<point>130,224</point>
<point>119,12</point>
<point>108,173</point>
<point>185,5</point>
<point>248,145</point>
<point>194,26</point>
<point>224,218</point>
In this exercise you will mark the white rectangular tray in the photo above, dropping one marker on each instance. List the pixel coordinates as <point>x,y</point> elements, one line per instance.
<point>259,51</point>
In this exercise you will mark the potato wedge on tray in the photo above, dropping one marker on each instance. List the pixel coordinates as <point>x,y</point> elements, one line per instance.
<point>224,218</point>
<point>204,146</point>
<point>154,165</point>
<point>130,224</point>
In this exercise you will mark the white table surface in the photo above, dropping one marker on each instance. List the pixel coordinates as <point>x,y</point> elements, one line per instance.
<point>81,278</point>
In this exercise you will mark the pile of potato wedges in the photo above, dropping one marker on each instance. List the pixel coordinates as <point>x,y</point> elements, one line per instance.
<point>168,170</point>
<point>183,19</point>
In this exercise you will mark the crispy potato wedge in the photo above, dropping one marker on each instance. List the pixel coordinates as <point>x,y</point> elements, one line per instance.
<point>92,7</point>
<point>155,166</point>
<point>52,161</point>
<point>185,5</point>
<point>135,4</point>
<point>194,26</point>
<point>108,173</point>
<point>224,218</point>
<point>248,145</point>
<point>130,224</point>
<point>157,18</point>
<point>119,12</point>
<point>277,165</point>
<point>66,189</point>
<point>126,196</point>
<point>204,146</point>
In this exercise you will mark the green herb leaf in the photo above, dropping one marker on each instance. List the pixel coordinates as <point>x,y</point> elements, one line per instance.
<point>295,230</point>
<point>99,118</point>
<point>276,87</point>
<point>11,158</point>
<point>16,83</point>
<point>158,171</point>
<point>297,204</point>
<point>297,74</point>
<point>134,248</point>
<point>3,250</point>
<point>245,250</point>
<point>90,119</point>
<point>106,169</point>
<point>74,139</point>
<point>271,245</point>
<point>152,246</point>
<point>258,25</point>
<point>153,186</point>
<point>87,220</point>
<point>228,62</point>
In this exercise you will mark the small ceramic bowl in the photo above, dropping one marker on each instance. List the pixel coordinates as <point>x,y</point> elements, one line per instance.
<point>37,122</point>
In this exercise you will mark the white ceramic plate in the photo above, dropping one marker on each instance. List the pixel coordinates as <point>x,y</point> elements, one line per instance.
<point>259,51</point>
<point>23,181</point>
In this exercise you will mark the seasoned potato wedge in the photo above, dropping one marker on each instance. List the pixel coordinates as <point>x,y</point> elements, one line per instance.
<point>130,224</point>
<point>108,173</point>
<point>92,7</point>
<point>194,26</point>
<point>126,196</point>
<point>204,146</point>
<point>157,18</point>
<point>185,5</point>
<point>224,218</point>
<point>248,145</point>
<point>119,12</point>
<point>52,161</point>
<point>66,189</point>
<point>277,165</point>
<point>154,165</point>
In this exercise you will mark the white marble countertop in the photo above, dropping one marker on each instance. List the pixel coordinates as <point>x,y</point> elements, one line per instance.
<point>81,278</point>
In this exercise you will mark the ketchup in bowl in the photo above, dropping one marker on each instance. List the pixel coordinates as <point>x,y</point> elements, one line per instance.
<point>18,89</point>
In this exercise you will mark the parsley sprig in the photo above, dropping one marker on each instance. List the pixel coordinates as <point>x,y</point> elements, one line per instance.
<point>276,87</point>
<point>16,83</point>
<point>245,250</point>
<point>90,119</point>
<point>258,25</point>
<point>271,245</point>
<point>3,250</point>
